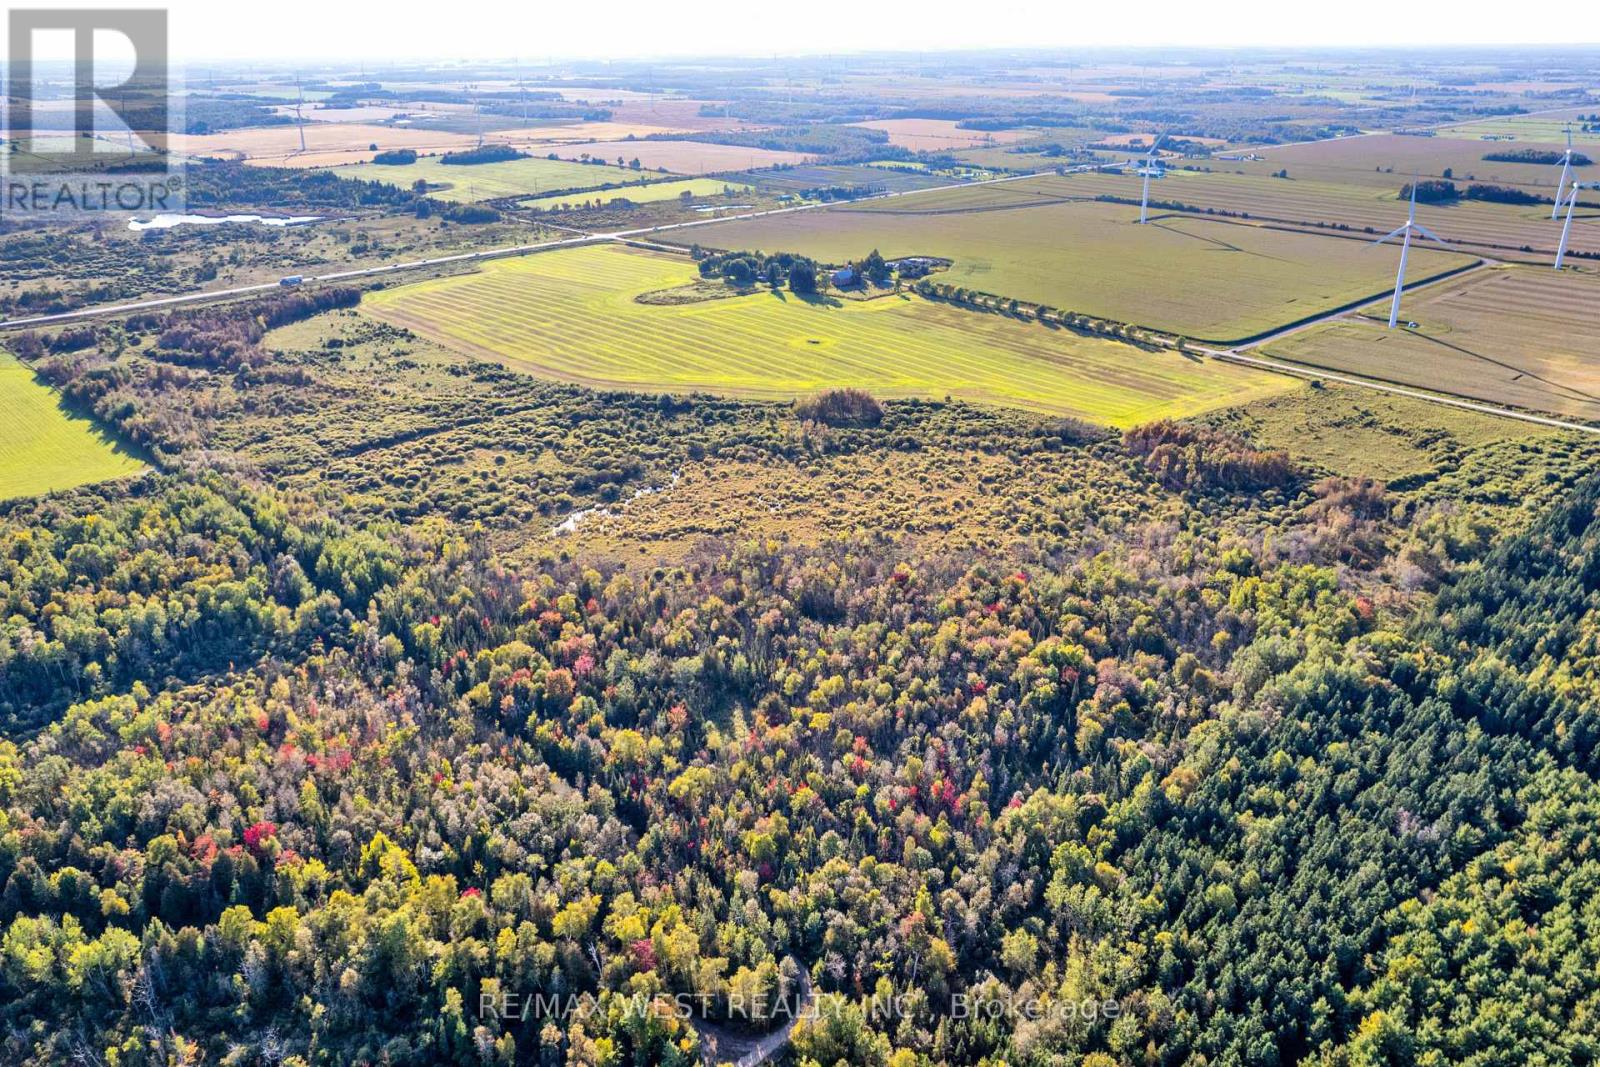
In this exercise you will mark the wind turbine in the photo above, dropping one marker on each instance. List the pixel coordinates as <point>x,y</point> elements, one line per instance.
<point>1566,227</point>
<point>1152,168</point>
<point>477,107</point>
<point>299,119</point>
<point>1566,172</point>
<point>1411,226</point>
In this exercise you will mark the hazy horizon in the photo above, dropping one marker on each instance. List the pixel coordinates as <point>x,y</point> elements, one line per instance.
<point>298,30</point>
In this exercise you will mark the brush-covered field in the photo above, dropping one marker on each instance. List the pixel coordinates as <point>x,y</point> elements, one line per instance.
<point>1522,336</point>
<point>573,315</point>
<point>491,181</point>
<point>1203,278</point>
<point>42,447</point>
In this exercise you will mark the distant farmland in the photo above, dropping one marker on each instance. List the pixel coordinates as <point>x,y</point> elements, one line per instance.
<point>1505,228</point>
<point>942,135</point>
<point>1387,161</point>
<point>1199,277</point>
<point>572,315</point>
<point>817,175</point>
<point>327,143</point>
<point>700,188</point>
<point>42,448</point>
<point>1547,129</point>
<point>684,157</point>
<point>1518,336</point>
<point>490,181</point>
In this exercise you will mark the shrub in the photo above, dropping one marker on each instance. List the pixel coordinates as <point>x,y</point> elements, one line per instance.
<point>840,407</point>
<point>1198,457</point>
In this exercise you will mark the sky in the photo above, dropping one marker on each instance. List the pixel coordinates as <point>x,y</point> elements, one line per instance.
<point>497,29</point>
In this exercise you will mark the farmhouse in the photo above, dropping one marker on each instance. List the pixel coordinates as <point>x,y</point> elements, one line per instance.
<point>846,276</point>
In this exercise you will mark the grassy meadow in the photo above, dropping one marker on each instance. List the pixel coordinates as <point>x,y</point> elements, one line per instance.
<point>1203,278</point>
<point>491,181</point>
<point>573,315</point>
<point>42,447</point>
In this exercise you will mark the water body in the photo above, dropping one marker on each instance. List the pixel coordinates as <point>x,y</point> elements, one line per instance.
<point>571,523</point>
<point>167,220</point>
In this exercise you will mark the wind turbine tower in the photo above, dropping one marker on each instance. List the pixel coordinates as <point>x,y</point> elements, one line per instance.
<point>1412,226</point>
<point>1566,227</point>
<point>1152,168</point>
<point>299,119</point>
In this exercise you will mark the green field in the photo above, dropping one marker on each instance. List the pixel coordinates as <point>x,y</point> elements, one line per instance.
<point>491,181</point>
<point>1539,129</point>
<point>640,194</point>
<point>42,447</point>
<point>572,315</point>
<point>1199,277</point>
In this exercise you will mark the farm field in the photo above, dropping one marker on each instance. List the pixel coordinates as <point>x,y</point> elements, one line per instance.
<point>1549,128</point>
<point>327,143</point>
<point>369,113</point>
<point>42,447</point>
<point>941,135</point>
<point>1506,229</point>
<point>490,181</point>
<point>574,132</point>
<point>684,157</point>
<point>676,113</point>
<point>813,176</point>
<point>640,194</point>
<point>572,315</point>
<point>1369,161</point>
<point>1520,336</point>
<point>1203,278</point>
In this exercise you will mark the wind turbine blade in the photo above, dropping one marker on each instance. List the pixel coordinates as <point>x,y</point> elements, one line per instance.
<point>1389,236</point>
<point>1566,170</point>
<point>1429,234</point>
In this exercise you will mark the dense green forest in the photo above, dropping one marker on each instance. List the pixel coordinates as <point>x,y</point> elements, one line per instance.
<point>295,779</point>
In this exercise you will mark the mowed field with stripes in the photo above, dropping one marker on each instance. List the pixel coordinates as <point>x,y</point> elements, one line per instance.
<point>573,315</point>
